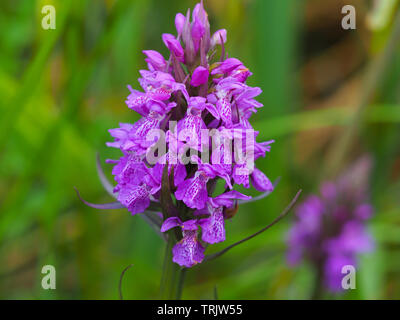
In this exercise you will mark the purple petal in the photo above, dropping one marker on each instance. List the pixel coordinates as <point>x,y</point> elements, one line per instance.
<point>179,174</point>
<point>227,66</point>
<point>213,110</point>
<point>198,30</point>
<point>189,251</point>
<point>121,135</point>
<point>260,181</point>
<point>217,36</point>
<point>144,125</point>
<point>190,225</point>
<point>226,199</point>
<point>129,169</point>
<point>160,94</point>
<point>155,59</point>
<point>193,192</point>
<point>225,111</point>
<point>213,227</point>
<point>197,103</point>
<point>136,101</point>
<point>180,21</point>
<point>136,199</point>
<point>189,129</point>
<point>170,223</point>
<point>174,46</point>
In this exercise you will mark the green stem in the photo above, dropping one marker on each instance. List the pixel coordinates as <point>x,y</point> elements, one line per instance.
<point>318,289</point>
<point>169,278</point>
<point>181,281</point>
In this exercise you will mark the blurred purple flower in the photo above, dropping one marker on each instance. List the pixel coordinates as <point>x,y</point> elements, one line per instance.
<point>330,229</point>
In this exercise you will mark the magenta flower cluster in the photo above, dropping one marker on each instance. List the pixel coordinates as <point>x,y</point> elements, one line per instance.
<point>330,230</point>
<point>197,91</point>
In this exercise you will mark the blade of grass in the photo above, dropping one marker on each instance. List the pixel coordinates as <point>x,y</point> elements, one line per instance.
<point>31,77</point>
<point>374,76</point>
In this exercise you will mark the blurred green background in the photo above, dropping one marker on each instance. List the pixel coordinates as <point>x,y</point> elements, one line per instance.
<point>62,89</point>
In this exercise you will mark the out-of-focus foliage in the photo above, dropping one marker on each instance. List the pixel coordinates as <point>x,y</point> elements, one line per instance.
<point>62,89</point>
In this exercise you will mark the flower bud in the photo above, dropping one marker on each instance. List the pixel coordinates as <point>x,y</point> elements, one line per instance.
<point>200,76</point>
<point>174,46</point>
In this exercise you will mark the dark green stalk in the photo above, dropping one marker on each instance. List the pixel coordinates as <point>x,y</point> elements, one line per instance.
<point>318,289</point>
<point>181,281</point>
<point>215,293</point>
<point>168,286</point>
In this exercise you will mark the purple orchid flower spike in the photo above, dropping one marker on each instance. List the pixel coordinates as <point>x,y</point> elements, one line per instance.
<point>194,131</point>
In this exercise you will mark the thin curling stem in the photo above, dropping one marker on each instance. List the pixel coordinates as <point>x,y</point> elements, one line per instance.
<point>279,218</point>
